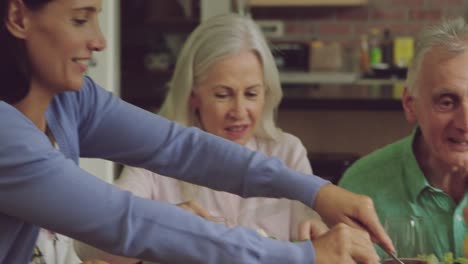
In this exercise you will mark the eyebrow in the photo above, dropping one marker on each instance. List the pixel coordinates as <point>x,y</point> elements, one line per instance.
<point>87,9</point>
<point>228,87</point>
<point>444,92</point>
<point>256,85</point>
<point>218,86</point>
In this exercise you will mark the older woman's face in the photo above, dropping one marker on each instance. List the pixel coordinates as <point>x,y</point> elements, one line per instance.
<point>231,97</point>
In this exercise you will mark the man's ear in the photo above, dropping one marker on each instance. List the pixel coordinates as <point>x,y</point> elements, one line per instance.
<point>408,103</point>
<point>16,19</point>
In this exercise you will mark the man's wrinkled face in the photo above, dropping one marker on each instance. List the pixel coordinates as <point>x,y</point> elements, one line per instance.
<point>440,106</point>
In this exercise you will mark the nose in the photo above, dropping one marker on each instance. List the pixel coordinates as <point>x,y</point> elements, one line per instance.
<point>238,108</point>
<point>98,42</point>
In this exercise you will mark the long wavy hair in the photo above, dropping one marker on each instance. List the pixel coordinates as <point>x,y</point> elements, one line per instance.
<point>212,40</point>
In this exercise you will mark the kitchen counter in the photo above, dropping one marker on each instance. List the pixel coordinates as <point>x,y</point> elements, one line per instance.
<point>302,91</point>
<point>340,91</point>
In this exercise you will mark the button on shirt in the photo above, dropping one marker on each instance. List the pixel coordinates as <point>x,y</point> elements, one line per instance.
<point>391,176</point>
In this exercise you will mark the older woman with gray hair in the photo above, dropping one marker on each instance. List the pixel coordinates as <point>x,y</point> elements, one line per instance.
<point>226,83</point>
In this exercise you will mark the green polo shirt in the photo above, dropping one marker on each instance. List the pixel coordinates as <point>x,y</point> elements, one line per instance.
<point>392,177</point>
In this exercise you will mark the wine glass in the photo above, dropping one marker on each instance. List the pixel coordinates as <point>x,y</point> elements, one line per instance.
<point>407,234</point>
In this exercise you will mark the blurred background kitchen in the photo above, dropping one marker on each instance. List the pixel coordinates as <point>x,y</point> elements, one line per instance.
<point>342,63</point>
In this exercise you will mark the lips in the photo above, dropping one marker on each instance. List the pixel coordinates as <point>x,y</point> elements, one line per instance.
<point>458,144</point>
<point>458,141</point>
<point>82,63</point>
<point>237,131</point>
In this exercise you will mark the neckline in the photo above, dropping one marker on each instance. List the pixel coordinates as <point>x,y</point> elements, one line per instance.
<point>51,136</point>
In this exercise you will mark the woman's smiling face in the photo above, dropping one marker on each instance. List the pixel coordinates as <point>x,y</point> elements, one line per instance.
<point>60,39</point>
<point>230,97</point>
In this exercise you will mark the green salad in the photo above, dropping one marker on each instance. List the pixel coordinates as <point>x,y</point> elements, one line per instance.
<point>448,259</point>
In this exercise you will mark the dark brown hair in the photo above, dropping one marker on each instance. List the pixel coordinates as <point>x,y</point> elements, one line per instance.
<point>15,72</point>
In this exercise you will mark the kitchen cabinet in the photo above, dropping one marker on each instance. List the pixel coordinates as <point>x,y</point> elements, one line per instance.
<point>153,30</point>
<point>272,3</point>
<point>152,33</point>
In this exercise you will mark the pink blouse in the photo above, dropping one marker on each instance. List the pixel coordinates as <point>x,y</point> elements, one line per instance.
<point>279,218</point>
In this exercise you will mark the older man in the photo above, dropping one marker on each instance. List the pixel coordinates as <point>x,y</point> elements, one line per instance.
<point>423,175</point>
<point>465,244</point>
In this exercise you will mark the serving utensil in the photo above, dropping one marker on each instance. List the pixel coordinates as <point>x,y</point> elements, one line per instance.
<point>394,257</point>
<point>391,254</point>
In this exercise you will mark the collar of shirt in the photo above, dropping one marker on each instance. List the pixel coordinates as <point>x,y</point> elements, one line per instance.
<point>413,177</point>
<point>423,195</point>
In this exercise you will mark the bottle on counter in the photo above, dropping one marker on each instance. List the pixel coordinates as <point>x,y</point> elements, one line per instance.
<point>375,48</point>
<point>403,51</point>
<point>386,46</point>
<point>364,55</point>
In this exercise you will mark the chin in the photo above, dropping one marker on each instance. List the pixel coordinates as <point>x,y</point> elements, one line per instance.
<point>241,142</point>
<point>75,85</point>
<point>456,159</point>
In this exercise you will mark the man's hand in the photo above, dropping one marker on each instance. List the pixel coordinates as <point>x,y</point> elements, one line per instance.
<point>337,205</point>
<point>344,244</point>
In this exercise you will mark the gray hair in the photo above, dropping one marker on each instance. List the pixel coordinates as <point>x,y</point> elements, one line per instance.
<point>450,34</point>
<point>212,40</point>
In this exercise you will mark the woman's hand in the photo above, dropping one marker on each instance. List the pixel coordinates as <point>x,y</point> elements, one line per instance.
<point>344,244</point>
<point>311,229</point>
<point>336,205</point>
<point>194,207</point>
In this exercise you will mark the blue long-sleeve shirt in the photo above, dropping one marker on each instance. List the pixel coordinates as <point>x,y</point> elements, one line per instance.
<point>43,186</point>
